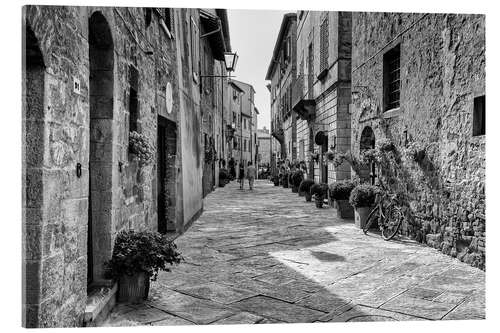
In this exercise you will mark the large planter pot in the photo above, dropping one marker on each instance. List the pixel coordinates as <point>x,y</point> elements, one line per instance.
<point>360,216</point>
<point>276,183</point>
<point>133,288</point>
<point>308,197</point>
<point>295,189</point>
<point>285,183</point>
<point>302,193</point>
<point>344,209</point>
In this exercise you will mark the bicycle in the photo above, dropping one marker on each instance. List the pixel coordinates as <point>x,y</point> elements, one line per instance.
<point>387,213</point>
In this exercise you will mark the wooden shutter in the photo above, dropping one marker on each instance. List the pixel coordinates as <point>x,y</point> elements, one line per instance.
<point>323,40</point>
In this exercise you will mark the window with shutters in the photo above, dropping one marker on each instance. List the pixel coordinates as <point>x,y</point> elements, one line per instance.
<point>323,44</point>
<point>392,83</point>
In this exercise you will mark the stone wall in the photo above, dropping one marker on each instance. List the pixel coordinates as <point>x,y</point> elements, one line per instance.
<point>80,185</point>
<point>442,71</point>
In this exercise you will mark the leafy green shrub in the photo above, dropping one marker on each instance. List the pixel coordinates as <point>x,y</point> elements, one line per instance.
<point>305,185</point>
<point>364,195</point>
<point>296,178</point>
<point>144,251</point>
<point>341,190</point>
<point>140,146</point>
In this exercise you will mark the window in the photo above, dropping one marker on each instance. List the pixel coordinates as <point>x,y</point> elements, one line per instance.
<point>323,43</point>
<point>392,83</point>
<point>245,123</point>
<point>244,145</point>
<point>234,117</point>
<point>133,101</point>
<point>478,118</point>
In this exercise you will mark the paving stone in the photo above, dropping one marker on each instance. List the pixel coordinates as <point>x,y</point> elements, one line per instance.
<point>363,313</point>
<point>216,292</point>
<point>240,318</point>
<point>418,307</point>
<point>190,308</point>
<point>171,320</point>
<point>472,308</point>
<point>323,301</point>
<point>276,309</point>
<point>146,315</point>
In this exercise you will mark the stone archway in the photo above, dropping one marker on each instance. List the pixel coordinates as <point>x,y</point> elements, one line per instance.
<point>32,181</point>
<point>367,141</point>
<point>101,63</point>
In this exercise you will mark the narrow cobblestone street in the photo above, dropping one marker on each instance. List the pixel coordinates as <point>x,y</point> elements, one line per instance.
<point>267,256</point>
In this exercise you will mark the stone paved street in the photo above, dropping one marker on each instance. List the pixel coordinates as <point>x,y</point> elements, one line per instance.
<point>267,256</point>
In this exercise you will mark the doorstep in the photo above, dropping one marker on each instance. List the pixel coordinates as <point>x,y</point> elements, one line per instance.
<point>100,302</point>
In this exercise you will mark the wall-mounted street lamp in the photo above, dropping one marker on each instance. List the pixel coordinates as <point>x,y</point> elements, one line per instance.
<point>230,60</point>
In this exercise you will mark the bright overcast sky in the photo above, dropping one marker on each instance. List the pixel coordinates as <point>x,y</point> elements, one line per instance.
<point>253,35</point>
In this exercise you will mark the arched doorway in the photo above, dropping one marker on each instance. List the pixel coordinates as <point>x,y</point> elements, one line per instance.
<point>367,141</point>
<point>32,182</point>
<point>101,62</point>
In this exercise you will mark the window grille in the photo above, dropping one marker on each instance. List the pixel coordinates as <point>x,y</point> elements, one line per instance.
<point>392,83</point>
<point>323,37</point>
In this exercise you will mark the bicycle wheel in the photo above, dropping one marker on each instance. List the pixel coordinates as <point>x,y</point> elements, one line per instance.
<point>372,217</point>
<point>391,224</point>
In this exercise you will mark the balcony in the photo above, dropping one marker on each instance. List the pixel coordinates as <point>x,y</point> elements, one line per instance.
<point>303,102</point>
<point>277,131</point>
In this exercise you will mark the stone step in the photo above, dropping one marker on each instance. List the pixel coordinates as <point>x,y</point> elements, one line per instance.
<point>100,302</point>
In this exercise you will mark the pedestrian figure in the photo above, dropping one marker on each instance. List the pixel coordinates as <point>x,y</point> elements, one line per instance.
<point>232,169</point>
<point>250,174</point>
<point>241,175</point>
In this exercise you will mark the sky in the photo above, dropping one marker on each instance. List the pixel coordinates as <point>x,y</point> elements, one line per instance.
<point>253,34</point>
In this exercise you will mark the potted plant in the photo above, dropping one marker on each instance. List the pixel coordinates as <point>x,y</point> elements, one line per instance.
<point>340,192</point>
<point>305,188</point>
<point>137,258</point>
<point>296,179</point>
<point>223,177</point>
<point>320,192</point>
<point>140,146</point>
<point>284,180</point>
<point>362,198</point>
<point>276,180</point>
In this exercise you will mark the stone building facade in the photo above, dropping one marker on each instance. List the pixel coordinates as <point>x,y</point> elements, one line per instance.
<point>91,76</point>
<point>419,79</point>
<point>282,73</point>
<point>321,92</point>
<point>264,146</point>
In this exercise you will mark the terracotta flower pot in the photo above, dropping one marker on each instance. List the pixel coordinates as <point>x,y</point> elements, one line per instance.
<point>360,216</point>
<point>308,197</point>
<point>344,209</point>
<point>133,288</point>
<point>302,193</point>
<point>295,189</point>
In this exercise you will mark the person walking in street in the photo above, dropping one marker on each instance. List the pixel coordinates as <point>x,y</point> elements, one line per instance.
<point>251,174</point>
<point>232,169</point>
<point>241,175</point>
